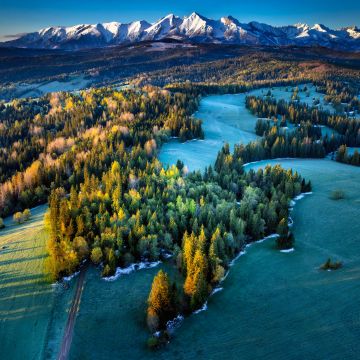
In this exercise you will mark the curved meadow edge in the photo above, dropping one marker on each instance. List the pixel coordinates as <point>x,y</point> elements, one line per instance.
<point>173,324</point>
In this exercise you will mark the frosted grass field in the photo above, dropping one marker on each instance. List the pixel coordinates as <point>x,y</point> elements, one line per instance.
<point>225,119</point>
<point>273,305</point>
<point>307,97</point>
<point>42,88</point>
<point>32,312</point>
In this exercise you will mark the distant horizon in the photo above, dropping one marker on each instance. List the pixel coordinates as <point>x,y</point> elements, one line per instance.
<point>25,17</point>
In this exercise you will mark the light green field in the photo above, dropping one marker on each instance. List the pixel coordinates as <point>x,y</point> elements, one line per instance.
<point>273,305</point>
<point>225,119</point>
<point>307,97</point>
<point>32,311</point>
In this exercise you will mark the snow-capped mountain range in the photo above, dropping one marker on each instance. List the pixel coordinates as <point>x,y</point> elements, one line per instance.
<point>194,28</point>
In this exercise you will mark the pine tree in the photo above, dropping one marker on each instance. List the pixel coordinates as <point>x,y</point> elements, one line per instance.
<point>195,285</point>
<point>201,242</point>
<point>160,302</point>
<point>216,254</point>
<point>285,240</point>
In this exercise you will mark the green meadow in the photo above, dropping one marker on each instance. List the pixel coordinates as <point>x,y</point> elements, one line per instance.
<point>272,305</point>
<point>32,311</point>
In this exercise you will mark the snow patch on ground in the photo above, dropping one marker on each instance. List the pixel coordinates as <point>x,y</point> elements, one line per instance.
<point>69,278</point>
<point>290,221</point>
<point>167,254</point>
<point>216,290</point>
<point>301,196</point>
<point>277,159</point>
<point>38,89</point>
<point>131,268</point>
<point>287,250</point>
<point>203,308</point>
<point>173,324</point>
<point>65,279</point>
<point>164,46</point>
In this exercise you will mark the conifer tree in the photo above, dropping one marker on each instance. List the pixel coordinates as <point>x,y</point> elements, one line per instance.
<point>160,302</point>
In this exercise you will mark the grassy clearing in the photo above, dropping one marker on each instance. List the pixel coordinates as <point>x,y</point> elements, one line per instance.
<point>27,300</point>
<point>225,119</point>
<point>272,306</point>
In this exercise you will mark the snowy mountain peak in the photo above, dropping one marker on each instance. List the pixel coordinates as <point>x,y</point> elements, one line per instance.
<point>228,21</point>
<point>195,15</point>
<point>195,28</point>
<point>320,27</point>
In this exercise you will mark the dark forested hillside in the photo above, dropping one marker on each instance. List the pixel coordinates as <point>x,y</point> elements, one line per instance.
<point>145,63</point>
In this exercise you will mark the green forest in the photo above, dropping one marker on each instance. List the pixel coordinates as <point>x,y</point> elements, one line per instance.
<point>93,156</point>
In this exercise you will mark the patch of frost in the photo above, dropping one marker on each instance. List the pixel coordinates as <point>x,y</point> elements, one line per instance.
<point>290,221</point>
<point>216,290</point>
<point>173,324</point>
<point>68,278</point>
<point>287,250</point>
<point>203,308</point>
<point>131,268</point>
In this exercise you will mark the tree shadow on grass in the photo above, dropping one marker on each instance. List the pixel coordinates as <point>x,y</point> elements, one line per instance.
<point>13,278</point>
<point>24,300</point>
<point>19,260</point>
<point>9,249</point>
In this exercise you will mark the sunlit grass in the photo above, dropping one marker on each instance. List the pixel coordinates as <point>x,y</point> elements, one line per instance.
<point>29,308</point>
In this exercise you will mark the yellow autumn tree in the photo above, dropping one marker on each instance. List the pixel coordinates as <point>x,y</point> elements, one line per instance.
<point>188,251</point>
<point>160,307</point>
<point>216,246</point>
<point>195,285</point>
<point>201,240</point>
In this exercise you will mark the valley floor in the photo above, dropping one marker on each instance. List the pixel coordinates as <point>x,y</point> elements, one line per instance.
<point>273,305</point>
<point>32,311</point>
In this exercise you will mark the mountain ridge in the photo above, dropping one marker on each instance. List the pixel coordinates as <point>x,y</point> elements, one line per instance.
<point>194,28</point>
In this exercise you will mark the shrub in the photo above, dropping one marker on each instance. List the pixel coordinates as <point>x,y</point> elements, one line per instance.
<point>26,214</point>
<point>18,217</point>
<point>337,195</point>
<point>158,340</point>
<point>328,265</point>
<point>285,242</point>
<point>96,255</point>
<point>107,271</point>
<point>153,342</point>
<point>81,247</point>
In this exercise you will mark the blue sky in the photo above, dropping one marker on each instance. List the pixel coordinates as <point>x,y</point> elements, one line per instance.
<point>17,16</point>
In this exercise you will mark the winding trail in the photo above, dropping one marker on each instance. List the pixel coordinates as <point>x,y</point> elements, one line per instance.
<point>69,329</point>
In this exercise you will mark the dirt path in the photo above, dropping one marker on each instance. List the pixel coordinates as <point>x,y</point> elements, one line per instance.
<point>69,329</point>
